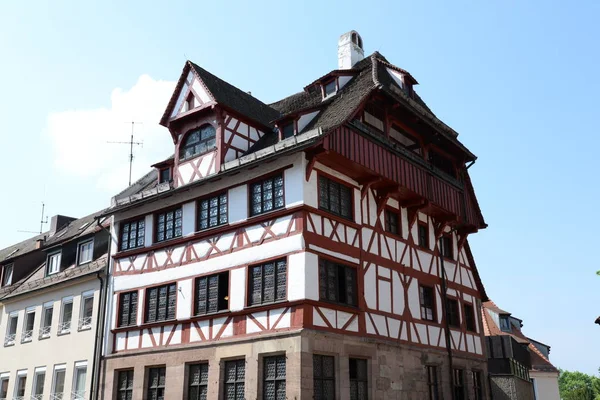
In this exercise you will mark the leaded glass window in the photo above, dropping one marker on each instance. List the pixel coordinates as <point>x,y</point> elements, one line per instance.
<point>160,303</point>
<point>211,293</point>
<point>198,142</point>
<point>324,377</point>
<point>337,283</point>
<point>427,303</point>
<point>274,378</point>
<point>125,385</point>
<point>212,211</point>
<point>198,382</point>
<point>266,195</point>
<point>128,308</point>
<point>458,384</point>
<point>168,224</point>
<point>335,197</point>
<point>268,282</point>
<point>235,374</point>
<point>132,234</point>
<point>156,383</point>
<point>359,381</point>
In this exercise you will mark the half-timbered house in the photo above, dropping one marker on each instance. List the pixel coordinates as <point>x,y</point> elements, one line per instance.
<point>315,247</point>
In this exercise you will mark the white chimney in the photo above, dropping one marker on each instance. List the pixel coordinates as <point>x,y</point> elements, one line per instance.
<point>350,50</point>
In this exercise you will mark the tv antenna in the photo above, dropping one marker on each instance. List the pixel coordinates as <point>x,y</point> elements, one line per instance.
<point>42,221</point>
<point>131,143</point>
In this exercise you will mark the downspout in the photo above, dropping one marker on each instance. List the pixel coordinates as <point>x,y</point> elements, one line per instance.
<point>446,324</point>
<point>100,322</point>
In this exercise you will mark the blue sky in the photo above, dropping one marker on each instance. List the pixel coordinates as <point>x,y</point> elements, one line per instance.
<point>518,80</point>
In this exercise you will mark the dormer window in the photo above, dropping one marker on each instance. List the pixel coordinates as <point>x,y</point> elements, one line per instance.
<point>164,175</point>
<point>7,275</point>
<point>197,142</point>
<point>287,130</point>
<point>53,263</point>
<point>329,88</point>
<point>85,252</point>
<point>505,323</point>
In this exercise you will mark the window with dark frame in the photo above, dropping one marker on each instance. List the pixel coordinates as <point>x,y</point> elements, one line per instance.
<point>392,222</point>
<point>337,283</point>
<point>359,381</point>
<point>330,87</point>
<point>469,317</point>
<point>198,142</point>
<point>7,275</point>
<point>20,386</point>
<point>53,263</point>
<point>87,311</point>
<point>423,232</point>
<point>3,388</point>
<point>505,323</point>
<point>274,378</point>
<point>132,234</point>
<point>266,195</point>
<point>458,384</point>
<point>160,303</point>
<point>125,385</point>
<point>235,375</point>
<point>164,175</point>
<point>287,130</point>
<point>477,385</point>
<point>324,377</point>
<point>168,225</point>
<point>198,382</point>
<point>432,382</point>
<point>426,298</point>
<point>128,304</point>
<point>85,252</point>
<point>268,282</point>
<point>335,197</point>
<point>453,313</point>
<point>446,249</point>
<point>156,383</point>
<point>211,293</point>
<point>442,163</point>
<point>212,211</point>
<point>46,328</point>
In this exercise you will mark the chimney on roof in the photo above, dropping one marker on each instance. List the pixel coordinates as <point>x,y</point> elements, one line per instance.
<point>39,242</point>
<point>58,222</point>
<point>350,50</point>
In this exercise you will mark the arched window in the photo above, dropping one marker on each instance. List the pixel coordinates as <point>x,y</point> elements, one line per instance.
<point>356,39</point>
<point>198,141</point>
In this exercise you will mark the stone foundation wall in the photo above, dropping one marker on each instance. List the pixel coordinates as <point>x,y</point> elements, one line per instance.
<point>510,388</point>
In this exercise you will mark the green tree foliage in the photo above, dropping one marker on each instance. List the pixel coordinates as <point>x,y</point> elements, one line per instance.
<point>578,386</point>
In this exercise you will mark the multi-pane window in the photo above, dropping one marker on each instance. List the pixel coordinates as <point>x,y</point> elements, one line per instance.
<point>266,195</point>
<point>453,313</point>
<point>27,333</point>
<point>477,385</point>
<point>79,377</point>
<point>125,385</point>
<point>198,142</point>
<point>359,381</point>
<point>423,235</point>
<point>87,310</point>
<point>160,303</point>
<point>7,275</point>
<point>212,211</point>
<point>38,385</point>
<point>469,317</point>
<point>432,382</point>
<point>392,222</point>
<point>337,283</point>
<point>58,382</point>
<point>446,247</point>
<point>427,303</point>
<point>458,384</point>
<point>11,331</point>
<point>198,382</point>
<point>20,385</point>
<point>132,234</point>
<point>85,252</point>
<point>335,197</point>
<point>156,383</point>
<point>46,321</point>
<point>324,377</point>
<point>274,378</point>
<point>211,293</point>
<point>168,224</point>
<point>66,316</point>
<point>4,386</point>
<point>268,282</point>
<point>128,304</point>
<point>235,374</point>
<point>53,263</point>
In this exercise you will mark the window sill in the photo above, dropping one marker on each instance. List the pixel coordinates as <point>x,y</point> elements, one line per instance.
<point>84,328</point>
<point>350,307</point>
<point>212,314</point>
<point>44,337</point>
<point>253,306</point>
<point>197,155</point>
<point>26,341</point>
<point>63,333</point>
<point>84,263</point>
<point>250,217</point>
<point>9,344</point>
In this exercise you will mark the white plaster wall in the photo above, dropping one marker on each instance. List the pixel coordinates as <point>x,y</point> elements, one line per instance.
<point>297,279</point>
<point>237,284</point>
<point>238,204</point>
<point>184,299</point>
<point>293,185</point>
<point>149,226</point>
<point>546,385</point>
<point>188,222</point>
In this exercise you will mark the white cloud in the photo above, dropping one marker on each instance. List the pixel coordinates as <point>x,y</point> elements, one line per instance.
<point>79,137</point>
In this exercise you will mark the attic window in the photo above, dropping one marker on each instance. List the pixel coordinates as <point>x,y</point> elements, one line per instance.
<point>197,142</point>
<point>374,115</point>
<point>329,88</point>
<point>7,275</point>
<point>505,323</point>
<point>164,175</point>
<point>287,130</point>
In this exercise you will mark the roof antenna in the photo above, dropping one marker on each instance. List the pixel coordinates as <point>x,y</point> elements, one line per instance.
<point>42,221</point>
<point>131,143</point>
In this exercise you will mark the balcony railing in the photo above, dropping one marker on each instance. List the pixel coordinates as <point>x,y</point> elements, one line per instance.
<point>78,395</point>
<point>85,323</point>
<point>19,398</point>
<point>37,396</point>
<point>64,327</point>
<point>9,340</point>
<point>57,396</point>
<point>45,332</point>
<point>26,336</point>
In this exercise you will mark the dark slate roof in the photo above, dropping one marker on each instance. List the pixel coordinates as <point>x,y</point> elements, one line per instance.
<point>77,228</point>
<point>146,182</point>
<point>17,250</point>
<point>237,100</point>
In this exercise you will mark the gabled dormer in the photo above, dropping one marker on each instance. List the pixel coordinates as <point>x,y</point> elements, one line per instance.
<point>211,123</point>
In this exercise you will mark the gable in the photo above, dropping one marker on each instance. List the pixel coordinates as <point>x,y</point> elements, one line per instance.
<point>191,88</point>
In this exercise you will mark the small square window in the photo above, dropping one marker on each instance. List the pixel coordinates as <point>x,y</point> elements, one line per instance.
<point>266,195</point>
<point>337,283</point>
<point>335,197</point>
<point>287,130</point>
<point>505,323</point>
<point>132,234</point>
<point>164,175</point>
<point>169,225</point>
<point>267,282</point>
<point>330,87</point>
<point>212,211</point>
<point>85,252</point>
<point>211,293</point>
<point>161,302</point>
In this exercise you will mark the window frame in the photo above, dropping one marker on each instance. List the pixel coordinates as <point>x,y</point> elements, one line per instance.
<point>328,82</point>
<point>208,199</point>
<point>390,214</point>
<point>83,324</point>
<point>470,324</point>
<point>183,145</point>
<point>164,212</point>
<point>260,181</point>
<point>57,369</point>
<point>128,222</point>
<point>46,330</point>
<point>237,382</point>
<point>48,265</point>
<point>320,358</point>
<point>447,247</point>
<point>458,385</point>
<point>78,394</point>
<point>250,279</point>
<point>478,385</point>
<point>201,384</point>
<point>284,134</point>
<point>508,327</point>
<point>161,171</point>
<point>27,334</point>
<point>453,312</point>
<point>424,307</point>
<point>277,380</point>
<point>220,286</point>
<point>149,387</point>
<point>128,383</point>
<point>146,301</point>
<point>433,382</point>
<point>36,380</point>
<point>80,245</point>
<point>20,377</point>
<point>2,380</point>
<point>357,379</point>
<point>14,316</point>
<point>328,263</point>
<point>63,329</point>
<point>425,226</point>
<point>130,313</point>
<point>341,184</point>
<point>5,268</point>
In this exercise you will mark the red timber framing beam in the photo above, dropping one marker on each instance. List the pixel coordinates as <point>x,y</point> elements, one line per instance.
<point>311,157</point>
